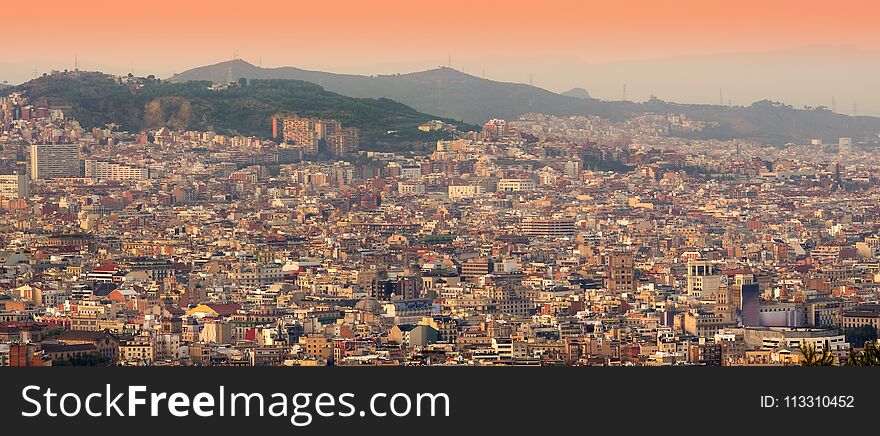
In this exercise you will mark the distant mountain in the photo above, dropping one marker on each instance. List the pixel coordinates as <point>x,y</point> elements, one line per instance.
<point>577,93</point>
<point>452,94</point>
<point>4,86</point>
<point>442,91</point>
<point>95,99</point>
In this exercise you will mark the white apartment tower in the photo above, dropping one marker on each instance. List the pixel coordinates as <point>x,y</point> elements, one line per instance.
<point>53,161</point>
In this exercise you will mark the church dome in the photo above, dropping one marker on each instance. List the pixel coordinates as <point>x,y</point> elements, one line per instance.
<point>369,304</point>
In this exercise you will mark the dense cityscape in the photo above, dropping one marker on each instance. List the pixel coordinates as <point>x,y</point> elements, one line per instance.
<point>540,240</point>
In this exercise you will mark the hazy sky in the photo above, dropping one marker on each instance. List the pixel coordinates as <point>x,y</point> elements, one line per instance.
<point>679,50</point>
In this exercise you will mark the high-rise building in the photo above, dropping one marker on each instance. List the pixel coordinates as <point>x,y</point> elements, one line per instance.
<point>494,129</point>
<point>301,132</point>
<point>308,133</point>
<point>13,186</point>
<point>52,161</point>
<point>751,303</point>
<point>844,146</point>
<point>620,274</point>
<point>343,141</point>
<point>324,129</point>
<point>276,128</point>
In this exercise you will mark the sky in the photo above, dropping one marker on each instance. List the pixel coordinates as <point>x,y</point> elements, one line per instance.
<point>683,50</point>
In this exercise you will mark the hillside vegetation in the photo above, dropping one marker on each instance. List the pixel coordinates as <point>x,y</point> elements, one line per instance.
<point>245,108</point>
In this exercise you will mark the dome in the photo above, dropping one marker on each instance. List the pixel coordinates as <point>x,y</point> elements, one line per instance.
<point>369,304</point>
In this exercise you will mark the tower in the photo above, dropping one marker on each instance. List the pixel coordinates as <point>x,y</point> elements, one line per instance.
<point>51,161</point>
<point>844,148</point>
<point>620,272</point>
<point>702,280</point>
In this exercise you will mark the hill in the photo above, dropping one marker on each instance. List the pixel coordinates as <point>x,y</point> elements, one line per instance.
<point>453,94</point>
<point>95,99</point>
<point>577,93</point>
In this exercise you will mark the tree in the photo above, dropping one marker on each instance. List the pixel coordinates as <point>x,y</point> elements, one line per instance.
<point>813,358</point>
<point>91,359</point>
<point>869,356</point>
<point>858,336</point>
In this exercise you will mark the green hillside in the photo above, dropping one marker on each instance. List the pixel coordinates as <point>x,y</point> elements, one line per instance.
<point>95,99</point>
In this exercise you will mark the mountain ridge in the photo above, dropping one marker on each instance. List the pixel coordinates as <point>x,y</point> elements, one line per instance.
<point>449,93</point>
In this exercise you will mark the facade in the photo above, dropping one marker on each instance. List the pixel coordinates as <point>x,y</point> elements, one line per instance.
<point>302,133</point>
<point>705,324</point>
<point>860,316</point>
<point>14,186</point>
<point>137,350</point>
<point>476,267</point>
<point>751,304</point>
<point>113,171</point>
<point>516,185</point>
<point>463,191</point>
<point>620,272</point>
<point>343,141</point>
<point>410,188</point>
<point>703,282</point>
<point>777,314</point>
<point>774,338</point>
<point>54,161</point>
<point>309,133</point>
<point>549,228</point>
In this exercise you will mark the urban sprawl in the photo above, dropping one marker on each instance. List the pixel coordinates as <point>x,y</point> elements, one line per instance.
<point>541,240</point>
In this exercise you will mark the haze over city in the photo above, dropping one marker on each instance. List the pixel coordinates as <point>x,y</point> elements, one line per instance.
<point>804,54</point>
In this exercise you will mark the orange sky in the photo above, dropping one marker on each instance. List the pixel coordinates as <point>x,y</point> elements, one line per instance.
<point>165,35</point>
<point>504,40</point>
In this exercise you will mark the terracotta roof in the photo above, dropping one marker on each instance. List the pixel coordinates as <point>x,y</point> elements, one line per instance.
<point>106,268</point>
